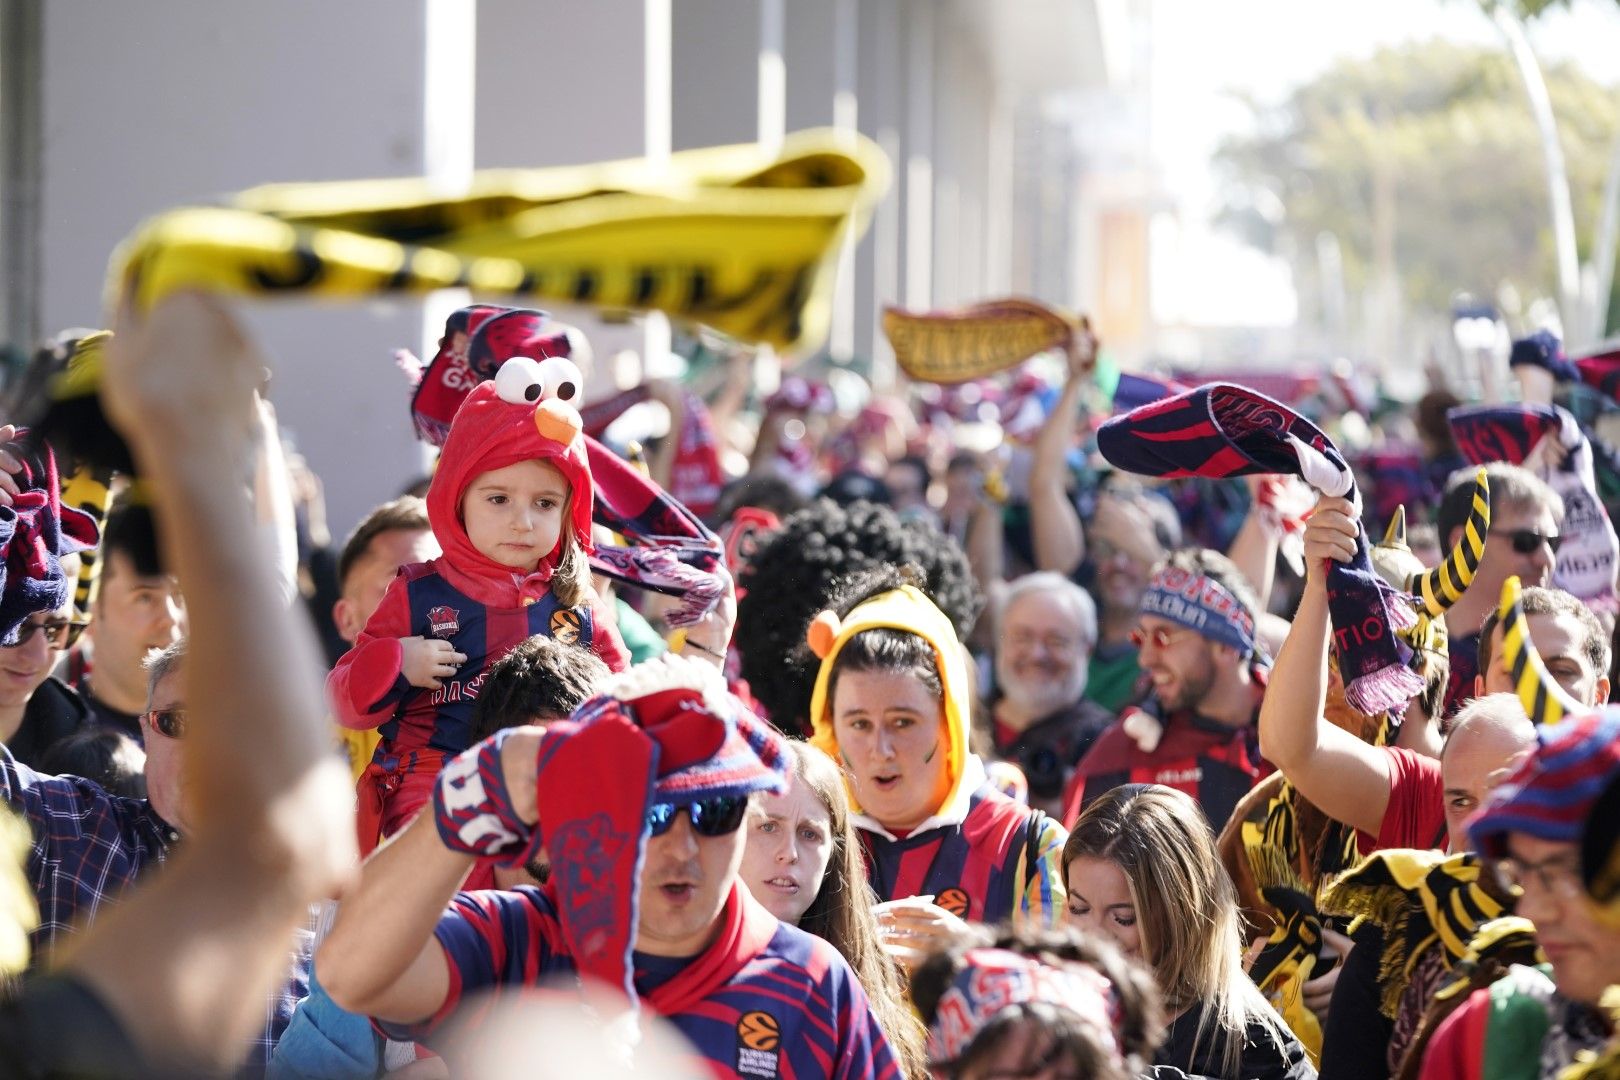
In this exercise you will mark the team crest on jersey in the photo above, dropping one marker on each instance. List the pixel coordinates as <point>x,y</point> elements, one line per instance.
<point>565,626</point>
<point>759,1041</point>
<point>443,622</point>
<point>955,901</point>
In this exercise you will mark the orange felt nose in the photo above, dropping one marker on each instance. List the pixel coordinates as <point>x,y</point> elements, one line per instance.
<point>558,421</point>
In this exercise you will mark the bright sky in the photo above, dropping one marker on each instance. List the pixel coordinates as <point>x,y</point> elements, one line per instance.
<point>1203,49</point>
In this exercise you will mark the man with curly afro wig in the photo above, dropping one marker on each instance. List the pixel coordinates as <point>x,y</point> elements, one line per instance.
<point>795,573</point>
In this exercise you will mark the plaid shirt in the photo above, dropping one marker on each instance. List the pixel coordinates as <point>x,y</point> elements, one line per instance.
<point>89,846</point>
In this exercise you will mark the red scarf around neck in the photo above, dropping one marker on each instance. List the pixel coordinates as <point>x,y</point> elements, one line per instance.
<point>746,928</point>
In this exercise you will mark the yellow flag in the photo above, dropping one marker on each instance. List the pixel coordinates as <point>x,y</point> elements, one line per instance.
<point>955,346</point>
<point>733,237</point>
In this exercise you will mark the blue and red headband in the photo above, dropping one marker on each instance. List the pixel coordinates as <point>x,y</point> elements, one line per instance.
<point>993,981</point>
<point>1200,603</point>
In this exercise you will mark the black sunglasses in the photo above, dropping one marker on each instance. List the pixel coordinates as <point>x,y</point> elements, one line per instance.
<point>1528,541</point>
<point>169,722</point>
<point>710,817</point>
<point>60,633</point>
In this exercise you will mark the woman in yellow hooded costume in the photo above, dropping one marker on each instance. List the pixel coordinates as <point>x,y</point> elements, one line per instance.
<point>891,704</point>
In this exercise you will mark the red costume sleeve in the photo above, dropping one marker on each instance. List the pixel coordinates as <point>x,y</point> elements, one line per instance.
<point>366,683</point>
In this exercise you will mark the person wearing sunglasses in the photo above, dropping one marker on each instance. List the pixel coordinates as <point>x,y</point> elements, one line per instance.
<point>1529,833</point>
<point>37,710</point>
<point>638,800</point>
<point>1195,730</point>
<point>1526,519</point>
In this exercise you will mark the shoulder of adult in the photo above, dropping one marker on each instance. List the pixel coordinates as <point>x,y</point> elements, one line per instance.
<point>56,699</point>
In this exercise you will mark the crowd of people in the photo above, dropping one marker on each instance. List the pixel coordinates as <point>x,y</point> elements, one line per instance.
<point>805,741</point>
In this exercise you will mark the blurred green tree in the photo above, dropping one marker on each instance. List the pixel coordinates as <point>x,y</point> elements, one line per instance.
<point>1426,156</point>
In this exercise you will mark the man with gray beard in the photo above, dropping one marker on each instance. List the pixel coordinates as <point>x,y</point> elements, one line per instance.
<point>1046,628</point>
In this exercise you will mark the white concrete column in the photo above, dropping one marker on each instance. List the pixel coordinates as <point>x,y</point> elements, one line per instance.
<point>879,268</point>
<point>772,80</point>
<point>919,168</point>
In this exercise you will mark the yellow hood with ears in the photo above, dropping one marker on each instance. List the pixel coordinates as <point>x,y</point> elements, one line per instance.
<point>908,609</point>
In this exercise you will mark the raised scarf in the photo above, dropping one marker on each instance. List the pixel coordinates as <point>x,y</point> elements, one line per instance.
<point>36,531</point>
<point>1221,430</point>
<point>1585,566</point>
<point>740,238</point>
<point>697,477</point>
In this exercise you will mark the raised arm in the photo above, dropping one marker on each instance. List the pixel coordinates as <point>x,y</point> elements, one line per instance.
<point>1346,778</point>
<point>187,960</point>
<point>381,958</point>
<point>1060,544</point>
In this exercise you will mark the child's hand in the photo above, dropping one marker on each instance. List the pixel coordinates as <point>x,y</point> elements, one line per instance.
<point>424,661</point>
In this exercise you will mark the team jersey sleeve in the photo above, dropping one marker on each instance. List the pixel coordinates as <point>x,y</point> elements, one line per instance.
<point>366,683</point>
<point>863,1050</point>
<point>605,640</point>
<point>1042,902</point>
<point>490,939</point>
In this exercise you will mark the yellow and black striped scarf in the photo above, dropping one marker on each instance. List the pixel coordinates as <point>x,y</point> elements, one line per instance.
<point>733,237</point>
<point>1418,899</point>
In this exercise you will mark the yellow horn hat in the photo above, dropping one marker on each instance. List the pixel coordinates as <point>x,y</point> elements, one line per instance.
<point>1544,700</point>
<point>1437,589</point>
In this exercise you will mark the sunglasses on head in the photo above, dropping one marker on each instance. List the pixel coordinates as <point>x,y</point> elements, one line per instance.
<point>710,817</point>
<point>170,723</point>
<point>59,633</point>
<point>1528,541</point>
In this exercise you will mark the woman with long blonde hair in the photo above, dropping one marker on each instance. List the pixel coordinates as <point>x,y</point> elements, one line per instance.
<point>1142,868</point>
<point>803,862</point>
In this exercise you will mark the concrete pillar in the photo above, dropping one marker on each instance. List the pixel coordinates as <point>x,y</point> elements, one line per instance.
<point>715,58</point>
<point>879,268</point>
<point>152,105</point>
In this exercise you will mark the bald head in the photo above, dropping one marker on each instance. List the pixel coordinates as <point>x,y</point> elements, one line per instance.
<point>1486,736</point>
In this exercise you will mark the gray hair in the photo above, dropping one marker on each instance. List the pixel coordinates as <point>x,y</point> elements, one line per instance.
<point>162,665</point>
<point>1079,602</point>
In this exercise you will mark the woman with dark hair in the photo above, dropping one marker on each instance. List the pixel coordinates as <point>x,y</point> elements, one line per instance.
<point>1048,1005</point>
<point>892,704</point>
<point>1142,869</point>
<point>803,862</point>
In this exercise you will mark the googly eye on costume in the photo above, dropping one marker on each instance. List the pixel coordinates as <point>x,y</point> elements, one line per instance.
<point>519,381</point>
<point>561,378</point>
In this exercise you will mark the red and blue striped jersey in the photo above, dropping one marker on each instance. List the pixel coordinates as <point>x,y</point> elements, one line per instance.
<point>793,1010</point>
<point>368,691</point>
<point>1003,861</point>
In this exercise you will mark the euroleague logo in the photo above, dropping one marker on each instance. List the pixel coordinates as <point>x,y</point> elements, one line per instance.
<point>954,901</point>
<point>565,626</point>
<point>759,1036</point>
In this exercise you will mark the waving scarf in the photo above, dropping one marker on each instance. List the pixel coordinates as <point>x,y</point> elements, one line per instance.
<point>1221,430</point>
<point>734,237</point>
<point>666,731</point>
<point>697,477</point>
<point>1586,562</point>
<point>958,346</point>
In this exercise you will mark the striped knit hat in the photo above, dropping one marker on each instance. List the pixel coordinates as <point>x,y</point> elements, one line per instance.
<point>1550,795</point>
<point>665,731</point>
